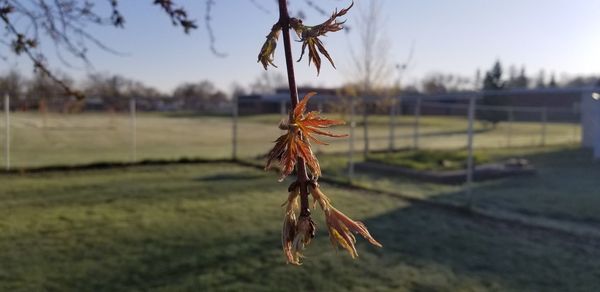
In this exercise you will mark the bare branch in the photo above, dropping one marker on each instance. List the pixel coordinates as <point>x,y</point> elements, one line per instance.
<point>65,23</point>
<point>211,33</point>
<point>260,7</point>
<point>178,15</point>
<point>316,7</point>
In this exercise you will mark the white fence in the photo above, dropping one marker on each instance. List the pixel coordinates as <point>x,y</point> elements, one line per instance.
<point>395,125</point>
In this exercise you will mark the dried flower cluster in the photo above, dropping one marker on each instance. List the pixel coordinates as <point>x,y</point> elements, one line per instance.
<point>267,52</point>
<point>297,232</point>
<point>292,150</point>
<point>309,36</point>
<point>298,227</point>
<point>301,130</point>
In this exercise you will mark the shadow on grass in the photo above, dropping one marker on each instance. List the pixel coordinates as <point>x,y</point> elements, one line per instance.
<point>194,114</point>
<point>430,134</point>
<point>424,249</point>
<point>514,258</point>
<point>230,176</point>
<point>564,188</point>
<point>173,238</point>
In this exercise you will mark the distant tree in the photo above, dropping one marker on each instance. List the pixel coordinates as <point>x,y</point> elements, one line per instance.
<point>540,81</point>
<point>238,90</point>
<point>200,95</point>
<point>580,81</point>
<point>267,83</point>
<point>41,89</point>
<point>552,83</point>
<point>522,81</point>
<point>433,84</point>
<point>477,81</point>
<point>512,75</point>
<point>493,82</point>
<point>116,90</point>
<point>493,78</point>
<point>12,83</point>
<point>373,67</point>
<point>410,89</point>
<point>518,81</point>
<point>438,83</point>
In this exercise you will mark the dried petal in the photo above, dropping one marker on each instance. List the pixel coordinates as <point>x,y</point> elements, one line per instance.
<point>339,225</point>
<point>309,36</point>
<point>267,52</point>
<point>301,130</point>
<point>290,222</point>
<point>305,232</point>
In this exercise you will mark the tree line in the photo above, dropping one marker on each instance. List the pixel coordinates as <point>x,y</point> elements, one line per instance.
<point>112,90</point>
<point>498,77</point>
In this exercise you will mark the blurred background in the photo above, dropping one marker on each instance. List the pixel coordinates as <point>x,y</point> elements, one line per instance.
<point>472,156</point>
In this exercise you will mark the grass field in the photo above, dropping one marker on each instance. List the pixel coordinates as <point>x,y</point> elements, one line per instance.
<point>428,160</point>
<point>565,186</point>
<point>41,140</point>
<point>215,227</point>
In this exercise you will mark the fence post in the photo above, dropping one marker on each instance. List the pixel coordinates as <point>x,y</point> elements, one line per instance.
<point>365,128</point>
<point>392,135</point>
<point>7,133</point>
<point>282,108</point>
<point>234,126</point>
<point>511,119</point>
<point>320,106</point>
<point>133,128</point>
<point>470,135</point>
<point>544,122</point>
<point>577,124</point>
<point>351,142</point>
<point>416,124</point>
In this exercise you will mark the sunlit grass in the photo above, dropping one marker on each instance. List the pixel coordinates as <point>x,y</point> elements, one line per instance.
<point>41,140</point>
<point>564,187</point>
<point>216,227</point>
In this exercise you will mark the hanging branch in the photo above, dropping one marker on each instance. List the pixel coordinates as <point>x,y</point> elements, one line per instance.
<point>292,150</point>
<point>211,33</point>
<point>23,45</point>
<point>64,22</point>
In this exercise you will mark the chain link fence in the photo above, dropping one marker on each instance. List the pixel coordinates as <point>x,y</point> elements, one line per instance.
<point>36,138</point>
<point>462,135</point>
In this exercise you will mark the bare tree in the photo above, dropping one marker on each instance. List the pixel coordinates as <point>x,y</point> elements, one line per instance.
<point>372,66</point>
<point>12,83</point>
<point>268,82</point>
<point>439,83</point>
<point>372,63</point>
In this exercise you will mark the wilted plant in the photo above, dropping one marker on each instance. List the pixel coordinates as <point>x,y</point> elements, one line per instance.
<point>293,151</point>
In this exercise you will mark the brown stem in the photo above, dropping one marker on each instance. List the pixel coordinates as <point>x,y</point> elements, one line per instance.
<point>284,21</point>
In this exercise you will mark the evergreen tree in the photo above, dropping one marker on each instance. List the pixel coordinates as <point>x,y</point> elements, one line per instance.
<point>522,81</point>
<point>493,82</point>
<point>540,82</point>
<point>552,82</point>
<point>493,78</point>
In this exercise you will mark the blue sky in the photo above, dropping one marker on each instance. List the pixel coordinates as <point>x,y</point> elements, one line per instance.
<point>450,36</point>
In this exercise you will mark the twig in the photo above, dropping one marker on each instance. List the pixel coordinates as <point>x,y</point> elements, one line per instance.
<point>302,175</point>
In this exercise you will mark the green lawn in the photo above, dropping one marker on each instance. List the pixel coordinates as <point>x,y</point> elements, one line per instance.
<point>215,227</point>
<point>41,140</point>
<point>565,186</point>
<point>437,160</point>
